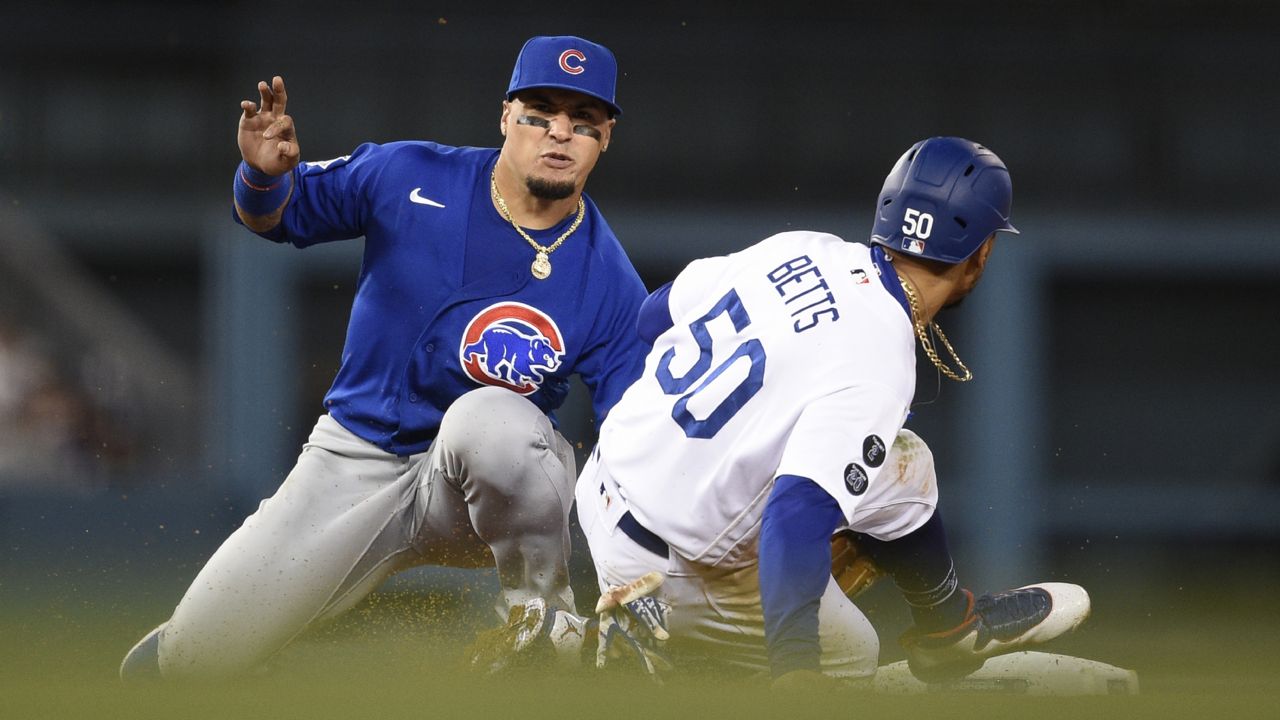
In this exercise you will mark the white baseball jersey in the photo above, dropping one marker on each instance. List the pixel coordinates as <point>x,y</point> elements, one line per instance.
<point>787,358</point>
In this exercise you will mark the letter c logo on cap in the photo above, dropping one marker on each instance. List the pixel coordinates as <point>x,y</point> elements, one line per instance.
<point>575,68</point>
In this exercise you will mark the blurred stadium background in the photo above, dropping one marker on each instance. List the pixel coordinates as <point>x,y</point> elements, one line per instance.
<point>160,366</point>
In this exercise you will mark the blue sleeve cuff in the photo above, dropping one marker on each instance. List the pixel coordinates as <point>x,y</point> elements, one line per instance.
<point>795,569</point>
<point>655,315</point>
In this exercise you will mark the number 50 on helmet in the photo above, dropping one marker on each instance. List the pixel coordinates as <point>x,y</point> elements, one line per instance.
<point>943,199</point>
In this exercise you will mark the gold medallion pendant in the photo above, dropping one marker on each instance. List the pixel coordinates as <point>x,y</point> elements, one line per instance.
<point>541,267</point>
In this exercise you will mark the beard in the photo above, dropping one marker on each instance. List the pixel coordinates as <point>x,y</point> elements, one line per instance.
<point>549,190</point>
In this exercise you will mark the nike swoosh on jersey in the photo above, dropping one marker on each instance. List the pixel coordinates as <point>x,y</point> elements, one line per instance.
<point>415,197</point>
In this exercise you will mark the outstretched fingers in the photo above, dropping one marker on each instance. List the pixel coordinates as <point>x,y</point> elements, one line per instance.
<point>266,99</point>
<point>281,97</point>
<point>272,98</point>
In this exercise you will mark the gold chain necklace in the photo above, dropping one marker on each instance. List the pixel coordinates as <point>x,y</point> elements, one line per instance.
<point>541,267</point>
<point>924,338</point>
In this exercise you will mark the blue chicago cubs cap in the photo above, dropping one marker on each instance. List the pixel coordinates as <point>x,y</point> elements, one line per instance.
<point>569,63</point>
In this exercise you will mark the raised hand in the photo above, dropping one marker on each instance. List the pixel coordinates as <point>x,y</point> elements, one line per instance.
<point>267,139</point>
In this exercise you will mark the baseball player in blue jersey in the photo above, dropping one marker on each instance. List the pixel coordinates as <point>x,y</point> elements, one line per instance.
<point>488,278</point>
<point>769,416</point>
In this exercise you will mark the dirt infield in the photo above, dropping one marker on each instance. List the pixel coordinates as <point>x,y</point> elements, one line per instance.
<point>398,655</point>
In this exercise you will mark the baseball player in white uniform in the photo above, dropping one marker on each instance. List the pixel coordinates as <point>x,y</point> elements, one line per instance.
<point>770,415</point>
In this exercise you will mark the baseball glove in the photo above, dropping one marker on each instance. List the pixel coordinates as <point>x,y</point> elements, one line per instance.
<point>853,570</point>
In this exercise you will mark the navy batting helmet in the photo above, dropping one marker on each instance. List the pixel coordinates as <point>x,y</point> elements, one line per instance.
<point>944,198</point>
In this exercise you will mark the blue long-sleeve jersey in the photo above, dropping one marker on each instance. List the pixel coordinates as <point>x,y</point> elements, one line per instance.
<point>795,567</point>
<point>445,300</point>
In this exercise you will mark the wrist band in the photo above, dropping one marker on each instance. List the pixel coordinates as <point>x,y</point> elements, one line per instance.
<point>257,193</point>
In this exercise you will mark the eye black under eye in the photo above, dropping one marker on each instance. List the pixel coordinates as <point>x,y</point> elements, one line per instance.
<point>533,120</point>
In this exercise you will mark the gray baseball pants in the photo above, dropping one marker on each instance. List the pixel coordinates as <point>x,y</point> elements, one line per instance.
<point>495,486</point>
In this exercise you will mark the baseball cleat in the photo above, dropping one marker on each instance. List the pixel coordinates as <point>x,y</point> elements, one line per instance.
<point>996,624</point>
<point>534,633</point>
<point>143,660</point>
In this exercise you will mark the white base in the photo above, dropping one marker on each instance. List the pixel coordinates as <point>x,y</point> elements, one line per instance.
<point>1020,673</point>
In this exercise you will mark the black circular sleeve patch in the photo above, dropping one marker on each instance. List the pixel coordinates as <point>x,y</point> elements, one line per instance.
<point>873,452</point>
<point>855,479</point>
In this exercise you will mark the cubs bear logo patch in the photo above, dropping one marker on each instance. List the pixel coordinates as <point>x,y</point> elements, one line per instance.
<point>511,345</point>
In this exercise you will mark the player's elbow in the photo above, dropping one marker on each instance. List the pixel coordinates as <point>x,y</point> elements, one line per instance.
<point>259,223</point>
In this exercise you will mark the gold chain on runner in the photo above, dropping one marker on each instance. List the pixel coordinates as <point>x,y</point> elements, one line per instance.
<point>914,302</point>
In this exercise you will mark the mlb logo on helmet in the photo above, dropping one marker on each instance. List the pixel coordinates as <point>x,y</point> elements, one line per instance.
<point>569,63</point>
<point>511,345</point>
<point>913,245</point>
